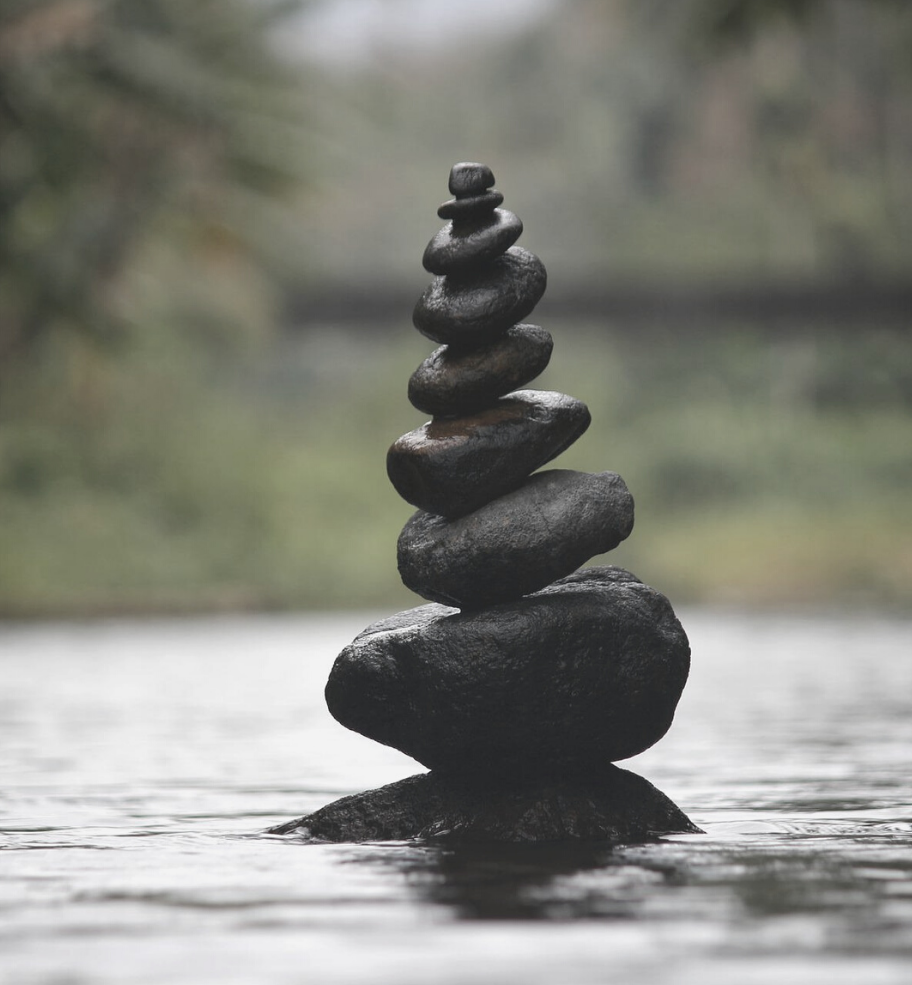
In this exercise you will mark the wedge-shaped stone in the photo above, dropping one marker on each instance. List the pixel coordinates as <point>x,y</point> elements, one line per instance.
<point>518,543</point>
<point>461,245</point>
<point>612,806</point>
<point>475,309</point>
<point>452,381</point>
<point>586,672</point>
<point>452,466</point>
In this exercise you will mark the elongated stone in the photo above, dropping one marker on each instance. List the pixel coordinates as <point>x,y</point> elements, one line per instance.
<point>452,466</point>
<point>459,381</point>
<point>614,806</point>
<point>471,207</point>
<point>517,544</point>
<point>473,310</point>
<point>461,245</point>
<point>557,684</point>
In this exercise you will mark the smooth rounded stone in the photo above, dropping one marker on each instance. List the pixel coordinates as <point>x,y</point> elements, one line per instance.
<point>451,466</point>
<point>471,207</point>
<point>614,806</point>
<point>469,178</point>
<point>459,381</point>
<point>517,544</point>
<point>461,245</point>
<point>473,310</point>
<point>586,672</point>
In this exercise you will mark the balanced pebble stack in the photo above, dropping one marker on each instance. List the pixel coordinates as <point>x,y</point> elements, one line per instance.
<point>526,677</point>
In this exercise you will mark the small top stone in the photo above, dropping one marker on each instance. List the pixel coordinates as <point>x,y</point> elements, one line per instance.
<point>470,179</point>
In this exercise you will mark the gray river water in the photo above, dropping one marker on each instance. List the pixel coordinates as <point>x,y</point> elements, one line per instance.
<point>141,762</point>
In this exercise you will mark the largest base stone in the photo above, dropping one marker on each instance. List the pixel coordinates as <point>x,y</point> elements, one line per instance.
<point>562,682</point>
<point>614,806</point>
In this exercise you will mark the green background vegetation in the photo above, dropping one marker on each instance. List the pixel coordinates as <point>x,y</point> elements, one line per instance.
<point>171,439</point>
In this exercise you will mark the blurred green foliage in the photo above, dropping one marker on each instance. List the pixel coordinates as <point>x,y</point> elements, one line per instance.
<point>762,472</point>
<point>125,124</point>
<point>167,443</point>
<point>738,20</point>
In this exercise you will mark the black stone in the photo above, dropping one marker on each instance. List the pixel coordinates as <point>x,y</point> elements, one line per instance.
<point>474,310</point>
<point>469,178</point>
<point>472,207</point>
<point>517,544</point>
<point>614,806</point>
<point>459,381</point>
<point>451,466</point>
<point>461,245</point>
<point>521,702</point>
<point>558,684</point>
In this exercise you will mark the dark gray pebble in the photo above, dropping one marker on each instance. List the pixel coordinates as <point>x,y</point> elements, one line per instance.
<point>459,246</point>
<point>469,208</point>
<point>459,381</point>
<point>477,309</point>
<point>452,466</point>
<point>469,178</point>
<point>517,544</point>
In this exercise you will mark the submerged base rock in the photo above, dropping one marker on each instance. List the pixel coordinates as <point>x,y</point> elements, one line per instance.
<point>615,805</point>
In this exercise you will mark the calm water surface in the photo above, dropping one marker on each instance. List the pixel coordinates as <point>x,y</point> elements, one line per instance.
<point>141,762</point>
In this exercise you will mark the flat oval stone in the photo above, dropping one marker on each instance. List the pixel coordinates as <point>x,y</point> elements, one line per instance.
<point>464,244</point>
<point>452,466</point>
<point>586,672</point>
<point>517,544</point>
<point>474,310</point>
<point>474,205</point>
<point>468,178</point>
<point>459,381</point>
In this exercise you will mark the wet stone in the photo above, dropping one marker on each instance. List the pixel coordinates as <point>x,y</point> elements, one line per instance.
<point>526,677</point>
<point>459,381</point>
<point>614,806</point>
<point>477,309</point>
<point>472,207</point>
<point>557,684</point>
<point>452,466</point>
<point>516,544</point>
<point>469,178</point>
<point>459,246</point>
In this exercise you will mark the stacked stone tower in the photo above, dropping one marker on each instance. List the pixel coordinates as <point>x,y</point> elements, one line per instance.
<point>484,534</point>
<point>525,679</point>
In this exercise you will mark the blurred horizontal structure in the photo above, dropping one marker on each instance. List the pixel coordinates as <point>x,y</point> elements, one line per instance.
<point>765,306</point>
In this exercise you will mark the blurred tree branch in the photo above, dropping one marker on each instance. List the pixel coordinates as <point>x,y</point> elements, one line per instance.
<point>114,113</point>
<point>739,20</point>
